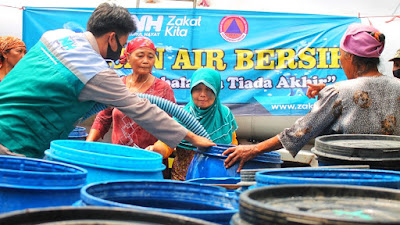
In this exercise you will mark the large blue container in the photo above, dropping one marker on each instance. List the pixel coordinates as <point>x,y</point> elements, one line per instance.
<point>106,162</point>
<point>363,177</point>
<point>194,200</point>
<point>79,133</point>
<point>32,183</point>
<point>210,163</point>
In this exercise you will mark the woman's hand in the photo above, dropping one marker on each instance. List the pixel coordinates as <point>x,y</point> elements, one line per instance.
<point>244,153</point>
<point>314,89</point>
<point>241,153</point>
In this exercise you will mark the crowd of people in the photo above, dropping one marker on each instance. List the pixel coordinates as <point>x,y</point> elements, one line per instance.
<point>50,88</point>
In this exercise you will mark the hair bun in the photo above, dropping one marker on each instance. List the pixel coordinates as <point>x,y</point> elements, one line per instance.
<point>378,36</point>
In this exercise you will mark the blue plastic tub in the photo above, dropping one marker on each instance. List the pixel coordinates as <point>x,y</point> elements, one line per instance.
<point>210,163</point>
<point>106,162</point>
<point>194,200</point>
<point>362,177</point>
<point>33,183</point>
<point>79,133</point>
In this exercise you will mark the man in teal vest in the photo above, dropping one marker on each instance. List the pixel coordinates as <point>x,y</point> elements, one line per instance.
<point>63,76</point>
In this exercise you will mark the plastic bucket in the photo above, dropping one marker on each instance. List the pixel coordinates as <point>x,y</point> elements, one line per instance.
<point>194,200</point>
<point>210,163</point>
<point>32,183</point>
<point>377,151</point>
<point>105,161</point>
<point>79,133</point>
<point>92,215</point>
<point>318,204</point>
<point>363,177</point>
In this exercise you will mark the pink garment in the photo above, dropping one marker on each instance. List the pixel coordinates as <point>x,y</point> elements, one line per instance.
<point>362,40</point>
<point>125,130</point>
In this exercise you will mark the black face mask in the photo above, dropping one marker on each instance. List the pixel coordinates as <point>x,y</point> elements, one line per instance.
<point>396,73</point>
<point>114,55</point>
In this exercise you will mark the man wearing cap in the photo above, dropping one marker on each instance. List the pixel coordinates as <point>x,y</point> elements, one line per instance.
<point>396,64</point>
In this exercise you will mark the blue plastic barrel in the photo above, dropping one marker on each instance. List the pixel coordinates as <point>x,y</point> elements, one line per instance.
<point>210,163</point>
<point>194,200</point>
<point>105,161</point>
<point>32,183</point>
<point>79,133</point>
<point>362,177</point>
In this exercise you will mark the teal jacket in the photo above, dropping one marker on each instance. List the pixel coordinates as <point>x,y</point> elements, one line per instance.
<point>39,97</point>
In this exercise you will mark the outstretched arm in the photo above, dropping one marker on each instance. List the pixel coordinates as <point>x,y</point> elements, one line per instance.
<point>198,141</point>
<point>314,89</point>
<point>244,153</point>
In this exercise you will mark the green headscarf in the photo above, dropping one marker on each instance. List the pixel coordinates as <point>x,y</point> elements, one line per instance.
<point>217,119</point>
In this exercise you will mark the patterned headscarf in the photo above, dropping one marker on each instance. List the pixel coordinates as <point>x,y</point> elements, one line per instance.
<point>7,43</point>
<point>134,44</point>
<point>217,119</point>
<point>362,40</point>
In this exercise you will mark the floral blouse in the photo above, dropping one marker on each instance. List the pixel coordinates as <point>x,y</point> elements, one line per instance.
<point>365,105</point>
<point>125,130</point>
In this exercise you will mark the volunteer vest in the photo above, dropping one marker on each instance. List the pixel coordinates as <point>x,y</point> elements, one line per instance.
<point>39,97</point>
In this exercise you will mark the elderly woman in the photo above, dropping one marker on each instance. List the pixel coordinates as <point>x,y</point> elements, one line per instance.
<point>12,49</point>
<point>216,118</point>
<point>366,103</point>
<point>140,53</point>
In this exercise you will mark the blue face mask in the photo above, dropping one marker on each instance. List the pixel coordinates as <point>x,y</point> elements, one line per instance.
<point>396,73</point>
<point>114,55</point>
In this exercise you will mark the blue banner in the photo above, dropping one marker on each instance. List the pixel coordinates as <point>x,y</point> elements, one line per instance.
<point>265,59</point>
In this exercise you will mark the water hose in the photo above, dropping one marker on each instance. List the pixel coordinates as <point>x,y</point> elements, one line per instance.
<point>169,107</point>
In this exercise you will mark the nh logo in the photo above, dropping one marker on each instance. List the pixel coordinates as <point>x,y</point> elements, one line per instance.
<point>67,43</point>
<point>146,22</point>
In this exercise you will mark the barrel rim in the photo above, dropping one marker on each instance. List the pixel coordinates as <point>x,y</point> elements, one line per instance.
<point>360,176</point>
<point>351,158</point>
<point>77,178</point>
<point>85,196</point>
<point>36,214</point>
<point>129,158</point>
<point>58,158</point>
<point>268,157</point>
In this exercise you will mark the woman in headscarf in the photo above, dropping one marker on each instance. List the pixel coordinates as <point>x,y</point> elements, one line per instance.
<point>140,53</point>
<point>366,103</point>
<point>207,108</point>
<point>12,49</point>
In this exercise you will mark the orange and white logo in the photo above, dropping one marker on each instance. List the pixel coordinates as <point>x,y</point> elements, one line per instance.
<point>233,28</point>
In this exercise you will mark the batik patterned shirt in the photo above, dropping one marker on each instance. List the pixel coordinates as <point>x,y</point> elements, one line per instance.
<point>365,105</point>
